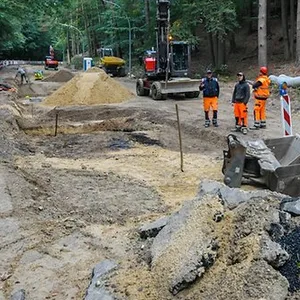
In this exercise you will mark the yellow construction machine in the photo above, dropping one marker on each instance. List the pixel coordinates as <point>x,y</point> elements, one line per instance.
<point>111,64</point>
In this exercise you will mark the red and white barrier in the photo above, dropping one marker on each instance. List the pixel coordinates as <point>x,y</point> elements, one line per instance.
<point>286,113</point>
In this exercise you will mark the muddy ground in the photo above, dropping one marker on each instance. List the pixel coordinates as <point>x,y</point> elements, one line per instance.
<point>71,200</point>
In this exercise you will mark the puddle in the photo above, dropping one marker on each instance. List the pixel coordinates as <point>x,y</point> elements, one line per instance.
<point>116,144</point>
<point>144,139</point>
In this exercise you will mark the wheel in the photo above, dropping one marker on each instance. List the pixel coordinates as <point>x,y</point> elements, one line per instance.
<point>140,91</point>
<point>189,94</point>
<point>196,94</point>
<point>192,94</point>
<point>156,91</point>
<point>121,72</point>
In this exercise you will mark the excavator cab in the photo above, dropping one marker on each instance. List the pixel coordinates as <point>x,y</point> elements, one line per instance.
<point>179,59</point>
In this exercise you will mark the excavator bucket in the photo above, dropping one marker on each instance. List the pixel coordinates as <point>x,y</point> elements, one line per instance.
<point>274,163</point>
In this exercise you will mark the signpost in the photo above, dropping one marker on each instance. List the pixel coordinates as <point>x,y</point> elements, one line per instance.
<point>286,114</point>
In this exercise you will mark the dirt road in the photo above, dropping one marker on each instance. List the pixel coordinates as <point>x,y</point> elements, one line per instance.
<point>72,200</point>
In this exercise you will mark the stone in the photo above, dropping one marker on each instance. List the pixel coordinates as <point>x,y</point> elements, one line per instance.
<point>96,289</point>
<point>273,253</point>
<point>232,197</point>
<point>291,205</point>
<point>18,295</point>
<point>186,248</point>
<point>153,228</point>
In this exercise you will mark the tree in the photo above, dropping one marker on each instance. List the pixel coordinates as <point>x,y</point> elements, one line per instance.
<point>262,32</point>
<point>298,33</point>
<point>292,28</point>
<point>284,26</point>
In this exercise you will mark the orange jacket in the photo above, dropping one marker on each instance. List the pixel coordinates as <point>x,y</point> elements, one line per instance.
<point>262,92</point>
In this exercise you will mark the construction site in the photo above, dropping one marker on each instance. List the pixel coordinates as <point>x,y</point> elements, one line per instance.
<point>97,204</point>
<point>123,186</point>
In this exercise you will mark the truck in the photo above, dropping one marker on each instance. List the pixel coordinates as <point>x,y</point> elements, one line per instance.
<point>167,69</point>
<point>111,64</point>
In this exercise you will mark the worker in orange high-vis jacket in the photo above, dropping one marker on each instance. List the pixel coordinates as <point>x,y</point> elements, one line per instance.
<point>261,91</point>
<point>240,98</point>
<point>211,90</point>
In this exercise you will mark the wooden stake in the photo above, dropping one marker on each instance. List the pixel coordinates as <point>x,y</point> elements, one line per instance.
<point>180,140</point>
<point>56,123</point>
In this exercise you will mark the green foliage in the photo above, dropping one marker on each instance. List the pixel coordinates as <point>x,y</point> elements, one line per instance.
<point>77,62</point>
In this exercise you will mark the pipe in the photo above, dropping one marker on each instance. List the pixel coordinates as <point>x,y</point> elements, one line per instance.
<point>291,81</point>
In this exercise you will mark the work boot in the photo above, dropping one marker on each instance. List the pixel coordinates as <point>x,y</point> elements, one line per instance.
<point>207,123</point>
<point>237,128</point>
<point>254,128</point>
<point>244,130</point>
<point>215,123</point>
<point>263,125</point>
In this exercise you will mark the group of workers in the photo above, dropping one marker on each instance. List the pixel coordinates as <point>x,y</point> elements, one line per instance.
<point>240,98</point>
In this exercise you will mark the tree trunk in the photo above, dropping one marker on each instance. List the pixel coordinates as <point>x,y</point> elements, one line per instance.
<point>292,28</point>
<point>298,33</point>
<point>212,48</point>
<point>232,43</point>
<point>284,26</point>
<point>262,32</point>
<point>269,15</point>
<point>147,14</point>
<point>250,11</point>
<point>86,28</point>
<point>221,52</point>
<point>68,49</point>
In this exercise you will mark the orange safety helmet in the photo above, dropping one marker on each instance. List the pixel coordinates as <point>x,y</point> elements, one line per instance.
<point>264,70</point>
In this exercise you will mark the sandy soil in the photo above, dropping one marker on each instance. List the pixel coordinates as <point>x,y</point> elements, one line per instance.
<point>74,199</point>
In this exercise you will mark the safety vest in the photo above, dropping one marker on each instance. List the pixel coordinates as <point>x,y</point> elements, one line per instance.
<point>263,91</point>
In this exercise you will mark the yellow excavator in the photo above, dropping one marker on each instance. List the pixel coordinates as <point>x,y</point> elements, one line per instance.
<point>111,64</point>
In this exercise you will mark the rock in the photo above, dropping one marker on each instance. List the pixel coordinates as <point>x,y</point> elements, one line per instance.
<point>18,295</point>
<point>96,289</point>
<point>291,205</point>
<point>263,282</point>
<point>153,228</point>
<point>186,248</point>
<point>273,253</point>
<point>284,217</point>
<point>275,230</point>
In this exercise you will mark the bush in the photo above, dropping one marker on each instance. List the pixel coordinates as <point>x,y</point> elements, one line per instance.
<point>77,62</point>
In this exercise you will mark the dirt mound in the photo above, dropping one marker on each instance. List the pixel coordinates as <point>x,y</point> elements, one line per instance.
<point>60,76</point>
<point>94,70</point>
<point>89,88</point>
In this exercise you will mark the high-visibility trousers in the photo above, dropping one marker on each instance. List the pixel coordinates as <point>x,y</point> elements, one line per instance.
<point>241,112</point>
<point>210,102</point>
<point>259,112</point>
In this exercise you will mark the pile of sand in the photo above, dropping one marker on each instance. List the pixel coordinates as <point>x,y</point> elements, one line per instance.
<point>60,76</point>
<point>89,88</point>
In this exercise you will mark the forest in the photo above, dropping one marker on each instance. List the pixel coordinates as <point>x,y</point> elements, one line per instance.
<point>28,27</point>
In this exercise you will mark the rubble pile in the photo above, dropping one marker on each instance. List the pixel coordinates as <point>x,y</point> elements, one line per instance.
<point>224,244</point>
<point>60,76</point>
<point>89,88</point>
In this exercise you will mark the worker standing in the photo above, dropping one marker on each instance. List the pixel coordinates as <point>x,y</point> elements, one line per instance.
<point>261,94</point>
<point>22,73</point>
<point>211,90</point>
<point>240,98</point>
